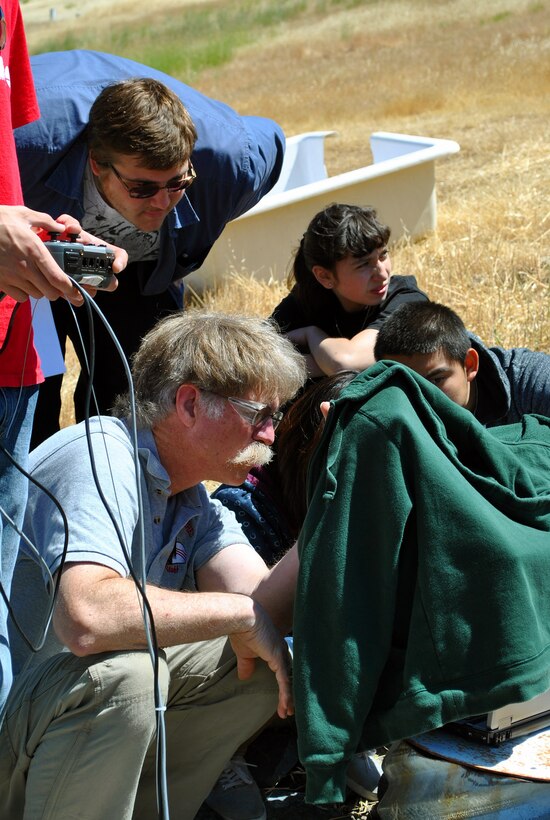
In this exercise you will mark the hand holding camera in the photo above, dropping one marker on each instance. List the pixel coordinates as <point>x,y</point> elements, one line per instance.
<point>87,264</point>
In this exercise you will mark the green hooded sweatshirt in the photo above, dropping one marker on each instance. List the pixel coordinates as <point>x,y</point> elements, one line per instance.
<point>424,585</point>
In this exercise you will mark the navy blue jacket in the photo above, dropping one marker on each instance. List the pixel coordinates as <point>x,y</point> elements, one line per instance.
<point>510,383</point>
<point>237,159</point>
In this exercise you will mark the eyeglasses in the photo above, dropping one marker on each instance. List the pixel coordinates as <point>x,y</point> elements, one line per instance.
<point>254,413</point>
<point>145,190</point>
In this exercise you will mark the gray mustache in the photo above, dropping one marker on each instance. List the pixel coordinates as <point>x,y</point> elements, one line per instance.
<point>256,453</point>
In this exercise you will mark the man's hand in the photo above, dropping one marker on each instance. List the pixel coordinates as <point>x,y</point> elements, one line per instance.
<point>264,641</point>
<point>98,611</point>
<point>26,266</point>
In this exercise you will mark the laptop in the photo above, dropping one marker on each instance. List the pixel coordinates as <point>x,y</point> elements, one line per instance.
<point>506,723</point>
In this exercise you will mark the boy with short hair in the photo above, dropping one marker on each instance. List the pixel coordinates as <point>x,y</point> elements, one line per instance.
<point>499,386</point>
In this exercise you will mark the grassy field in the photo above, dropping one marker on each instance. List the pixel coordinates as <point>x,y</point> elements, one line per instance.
<point>477,73</point>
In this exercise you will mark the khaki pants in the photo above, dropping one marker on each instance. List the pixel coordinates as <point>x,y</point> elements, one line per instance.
<point>78,739</point>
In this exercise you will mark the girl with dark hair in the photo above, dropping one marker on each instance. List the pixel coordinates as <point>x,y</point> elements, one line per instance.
<point>342,290</point>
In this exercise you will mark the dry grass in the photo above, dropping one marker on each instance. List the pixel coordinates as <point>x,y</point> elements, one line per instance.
<point>242,292</point>
<point>477,73</point>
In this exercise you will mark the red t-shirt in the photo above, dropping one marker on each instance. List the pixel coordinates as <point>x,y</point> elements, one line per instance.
<point>19,362</point>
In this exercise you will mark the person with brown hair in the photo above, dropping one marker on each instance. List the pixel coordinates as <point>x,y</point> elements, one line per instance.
<point>148,163</point>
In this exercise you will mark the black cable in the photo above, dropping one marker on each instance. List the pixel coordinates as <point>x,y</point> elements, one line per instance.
<point>149,624</point>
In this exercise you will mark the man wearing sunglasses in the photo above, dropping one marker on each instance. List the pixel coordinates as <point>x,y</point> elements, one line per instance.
<point>80,729</point>
<point>149,164</point>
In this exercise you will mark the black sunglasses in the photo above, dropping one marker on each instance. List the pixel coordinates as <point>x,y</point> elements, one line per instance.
<point>145,190</point>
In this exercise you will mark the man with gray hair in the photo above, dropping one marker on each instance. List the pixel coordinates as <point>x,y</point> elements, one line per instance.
<point>80,727</point>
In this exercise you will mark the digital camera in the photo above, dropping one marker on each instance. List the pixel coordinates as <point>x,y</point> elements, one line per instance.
<point>86,264</point>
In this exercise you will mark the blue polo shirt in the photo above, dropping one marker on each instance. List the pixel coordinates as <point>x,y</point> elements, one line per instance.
<point>181,532</point>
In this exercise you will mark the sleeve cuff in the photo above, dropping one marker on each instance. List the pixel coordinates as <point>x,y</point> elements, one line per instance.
<point>326,784</point>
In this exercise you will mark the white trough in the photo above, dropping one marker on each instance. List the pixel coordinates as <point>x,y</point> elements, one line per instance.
<point>400,184</point>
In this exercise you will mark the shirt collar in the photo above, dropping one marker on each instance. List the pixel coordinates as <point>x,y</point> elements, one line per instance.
<point>156,474</point>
